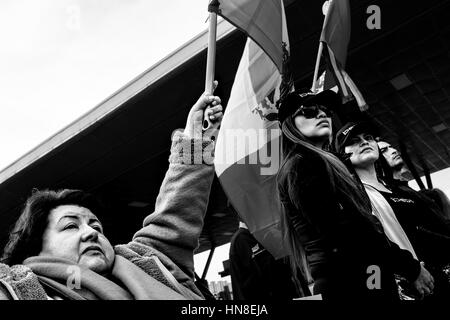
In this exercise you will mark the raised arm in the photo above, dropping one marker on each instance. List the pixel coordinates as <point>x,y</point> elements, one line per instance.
<point>171,232</point>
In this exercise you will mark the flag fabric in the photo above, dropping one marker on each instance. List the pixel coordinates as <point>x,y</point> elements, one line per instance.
<point>247,155</point>
<point>335,38</point>
<point>260,20</point>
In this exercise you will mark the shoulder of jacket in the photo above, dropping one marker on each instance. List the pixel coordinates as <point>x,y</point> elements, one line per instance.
<point>21,283</point>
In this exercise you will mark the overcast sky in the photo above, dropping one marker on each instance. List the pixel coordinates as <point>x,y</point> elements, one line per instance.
<point>60,58</point>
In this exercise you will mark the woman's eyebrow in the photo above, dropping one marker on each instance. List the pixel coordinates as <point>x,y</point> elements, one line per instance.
<point>94,220</point>
<point>69,217</point>
<point>78,217</point>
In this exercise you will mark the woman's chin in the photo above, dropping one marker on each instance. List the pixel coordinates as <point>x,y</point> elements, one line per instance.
<point>324,132</point>
<point>365,162</point>
<point>96,264</point>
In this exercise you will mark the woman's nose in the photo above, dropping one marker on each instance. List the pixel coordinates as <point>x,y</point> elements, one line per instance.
<point>321,114</point>
<point>89,233</point>
<point>364,141</point>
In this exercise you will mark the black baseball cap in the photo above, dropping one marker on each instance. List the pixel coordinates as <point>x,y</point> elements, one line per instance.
<point>350,130</point>
<point>294,100</point>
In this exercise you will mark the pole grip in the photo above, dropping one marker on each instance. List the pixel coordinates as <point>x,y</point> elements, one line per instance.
<point>210,65</point>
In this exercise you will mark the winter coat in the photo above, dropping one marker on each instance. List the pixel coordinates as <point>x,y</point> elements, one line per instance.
<point>156,264</point>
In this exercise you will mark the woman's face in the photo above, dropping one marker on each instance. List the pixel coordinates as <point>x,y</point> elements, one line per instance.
<point>316,128</point>
<point>364,150</point>
<point>74,233</point>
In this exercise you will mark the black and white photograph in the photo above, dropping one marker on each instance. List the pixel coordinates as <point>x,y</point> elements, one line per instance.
<point>242,157</point>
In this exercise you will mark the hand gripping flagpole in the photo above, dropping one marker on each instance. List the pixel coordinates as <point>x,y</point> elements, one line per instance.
<point>213,9</point>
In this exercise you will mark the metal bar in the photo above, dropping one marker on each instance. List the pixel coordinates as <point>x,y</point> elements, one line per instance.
<point>208,262</point>
<point>316,69</point>
<point>426,171</point>
<point>411,167</point>
<point>211,57</point>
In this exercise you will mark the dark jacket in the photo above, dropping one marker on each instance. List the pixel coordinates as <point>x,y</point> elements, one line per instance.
<point>429,232</point>
<point>343,247</point>
<point>255,274</point>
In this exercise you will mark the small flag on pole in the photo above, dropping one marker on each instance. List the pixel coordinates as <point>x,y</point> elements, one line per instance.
<point>247,156</point>
<point>260,20</point>
<point>335,38</point>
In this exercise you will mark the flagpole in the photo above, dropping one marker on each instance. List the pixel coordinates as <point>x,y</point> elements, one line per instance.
<point>316,68</point>
<point>211,56</point>
<point>325,10</point>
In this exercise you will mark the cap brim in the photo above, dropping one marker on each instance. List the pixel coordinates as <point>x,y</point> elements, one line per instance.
<point>327,98</point>
<point>361,127</point>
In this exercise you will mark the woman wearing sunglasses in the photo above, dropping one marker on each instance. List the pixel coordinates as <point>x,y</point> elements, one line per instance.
<point>333,237</point>
<point>407,219</point>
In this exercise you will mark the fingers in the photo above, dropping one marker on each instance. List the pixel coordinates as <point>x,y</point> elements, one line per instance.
<point>425,289</point>
<point>215,109</point>
<point>207,100</point>
<point>216,116</point>
<point>421,294</point>
<point>432,281</point>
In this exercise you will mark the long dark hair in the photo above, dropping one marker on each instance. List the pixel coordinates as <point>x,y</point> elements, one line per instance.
<point>340,179</point>
<point>435,200</point>
<point>25,239</point>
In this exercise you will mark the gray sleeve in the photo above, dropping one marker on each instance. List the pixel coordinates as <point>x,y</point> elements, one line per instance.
<point>173,229</point>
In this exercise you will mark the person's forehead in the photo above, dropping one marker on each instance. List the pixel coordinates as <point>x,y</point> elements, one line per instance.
<point>358,134</point>
<point>383,144</point>
<point>72,212</point>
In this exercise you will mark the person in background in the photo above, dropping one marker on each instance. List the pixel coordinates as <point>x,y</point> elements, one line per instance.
<point>256,275</point>
<point>327,219</point>
<point>58,248</point>
<point>401,175</point>
<point>406,219</point>
<point>400,171</point>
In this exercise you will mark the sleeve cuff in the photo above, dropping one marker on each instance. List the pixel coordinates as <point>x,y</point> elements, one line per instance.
<point>185,150</point>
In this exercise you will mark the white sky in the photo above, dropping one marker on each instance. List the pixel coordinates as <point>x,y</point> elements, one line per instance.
<point>60,58</point>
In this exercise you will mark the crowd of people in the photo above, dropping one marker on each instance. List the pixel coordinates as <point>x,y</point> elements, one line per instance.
<point>354,228</point>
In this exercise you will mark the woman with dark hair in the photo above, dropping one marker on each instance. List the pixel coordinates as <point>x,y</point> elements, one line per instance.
<point>58,249</point>
<point>407,220</point>
<point>327,216</point>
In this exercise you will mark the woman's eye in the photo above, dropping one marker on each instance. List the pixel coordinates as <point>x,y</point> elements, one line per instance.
<point>70,226</point>
<point>369,137</point>
<point>97,228</point>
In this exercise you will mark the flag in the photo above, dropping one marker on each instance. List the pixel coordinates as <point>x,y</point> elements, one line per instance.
<point>247,155</point>
<point>260,20</point>
<point>335,38</point>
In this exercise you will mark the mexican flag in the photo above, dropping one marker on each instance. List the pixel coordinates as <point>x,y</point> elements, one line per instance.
<point>248,149</point>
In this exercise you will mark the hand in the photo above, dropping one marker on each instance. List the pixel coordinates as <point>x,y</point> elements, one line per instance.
<point>195,118</point>
<point>424,283</point>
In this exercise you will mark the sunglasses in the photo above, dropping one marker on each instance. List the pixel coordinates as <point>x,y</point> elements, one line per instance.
<point>312,111</point>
